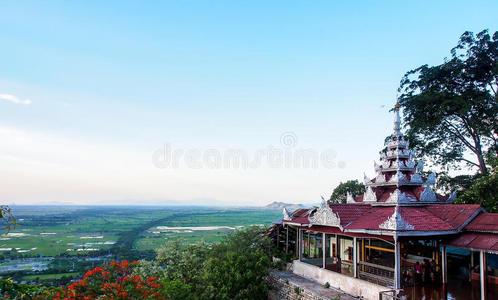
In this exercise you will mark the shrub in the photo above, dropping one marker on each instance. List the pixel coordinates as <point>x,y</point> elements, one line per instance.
<point>113,281</point>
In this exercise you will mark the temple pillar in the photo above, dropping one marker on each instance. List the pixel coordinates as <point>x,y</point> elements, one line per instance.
<point>355,258</point>
<point>309,244</point>
<point>471,265</point>
<point>287,240</point>
<point>444,264</point>
<point>278,237</point>
<point>296,254</point>
<point>324,248</point>
<point>397,265</point>
<point>483,267</point>
<point>300,243</point>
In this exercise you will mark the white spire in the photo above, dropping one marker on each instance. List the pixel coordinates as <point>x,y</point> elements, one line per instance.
<point>397,120</point>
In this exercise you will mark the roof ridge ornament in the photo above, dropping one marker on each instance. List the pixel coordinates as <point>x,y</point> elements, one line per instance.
<point>349,198</point>
<point>396,222</point>
<point>428,195</point>
<point>324,215</point>
<point>369,195</point>
<point>452,197</point>
<point>416,178</point>
<point>287,217</point>
<point>431,179</point>
<point>398,196</point>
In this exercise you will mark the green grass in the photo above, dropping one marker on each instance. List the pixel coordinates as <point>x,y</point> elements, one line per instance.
<point>71,223</point>
<point>49,276</point>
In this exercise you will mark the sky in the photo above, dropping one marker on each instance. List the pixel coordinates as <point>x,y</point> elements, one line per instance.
<point>155,102</point>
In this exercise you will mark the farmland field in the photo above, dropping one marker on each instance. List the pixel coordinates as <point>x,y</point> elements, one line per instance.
<point>57,243</point>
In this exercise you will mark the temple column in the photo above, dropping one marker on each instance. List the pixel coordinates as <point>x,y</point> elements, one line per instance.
<point>278,237</point>
<point>483,267</point>
<point>324,248</point>
<point>444,263</point>
<point>296,254</point>
<point>300,244</point>
<point>471,265</point>
<point>287,240</point>
<point>397,265</point>
<point>355,258</point>
<point>309,244</point>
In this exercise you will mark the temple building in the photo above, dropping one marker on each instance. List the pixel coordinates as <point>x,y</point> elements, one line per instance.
<point>396,238</point>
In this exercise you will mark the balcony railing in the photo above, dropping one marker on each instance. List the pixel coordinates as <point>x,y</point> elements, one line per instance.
<point>376,273</point>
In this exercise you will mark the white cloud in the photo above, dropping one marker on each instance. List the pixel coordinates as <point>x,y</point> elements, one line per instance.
<point>14,99</point>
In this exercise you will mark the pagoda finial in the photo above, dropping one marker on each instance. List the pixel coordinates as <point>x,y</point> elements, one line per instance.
<point>397,120</point>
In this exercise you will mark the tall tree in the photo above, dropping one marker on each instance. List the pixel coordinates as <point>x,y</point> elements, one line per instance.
<point>339,194</point>
<point>451,109</point>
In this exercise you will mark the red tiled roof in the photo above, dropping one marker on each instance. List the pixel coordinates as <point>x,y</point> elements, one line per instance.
<point>335,230</point>
<point>486,222</point>
<point>300,212</point>
<point>433,217</point>
<point>455,214</point>
<point>474,240</point>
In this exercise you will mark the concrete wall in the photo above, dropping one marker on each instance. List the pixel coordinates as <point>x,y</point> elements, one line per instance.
<point>285,290</point>
<point>350,285</point>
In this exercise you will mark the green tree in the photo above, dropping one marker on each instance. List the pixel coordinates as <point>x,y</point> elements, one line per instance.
<point>234,268</point>
<point>238,266</point>
<point>451,109</point>
<point>484,191</point>
<point>8,219</point>
<point>182,262</point>
<point>339,194</point>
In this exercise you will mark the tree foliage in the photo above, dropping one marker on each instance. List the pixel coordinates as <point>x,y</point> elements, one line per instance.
<point>8,219</point>
<point>451,109</point>
<point>235,268</point>
<point>484,190</point>
<point>339,194</point>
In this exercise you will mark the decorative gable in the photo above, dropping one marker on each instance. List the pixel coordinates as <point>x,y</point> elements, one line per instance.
<point>396,222</point>
<point>325,216</point>
<point>286,215</point>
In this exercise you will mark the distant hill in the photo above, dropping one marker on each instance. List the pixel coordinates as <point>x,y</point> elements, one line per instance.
<point>280,205</point>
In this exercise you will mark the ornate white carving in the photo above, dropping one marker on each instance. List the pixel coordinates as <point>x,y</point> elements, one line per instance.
<point>452,197</point>
<point>349,198</point>
<point>325,216</point>
<point>399,197</point>
<point>366,180</point>
<point>380,178</point>
<point>377,167</point>
<point>286,215</point>
<point>431,179</point>
<point>428,195</point>
<point>398,178</point>
<point>397,144</point>
<point>410,164</point>
<point>369,195</point>
<point>396,222</point>
<point>394,153</point>
<point>386,164</point>
<point>420,166</point>
<point>399,164</point>
<point>416,178</point>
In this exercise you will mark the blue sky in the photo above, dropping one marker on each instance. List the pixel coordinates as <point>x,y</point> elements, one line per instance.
<point>110,83</point>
